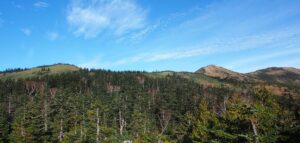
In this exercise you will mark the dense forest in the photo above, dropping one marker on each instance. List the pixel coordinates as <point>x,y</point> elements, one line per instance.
<point>113,107</point>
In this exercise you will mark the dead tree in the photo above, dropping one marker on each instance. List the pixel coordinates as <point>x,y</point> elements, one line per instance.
<point>45,115</point>
<point>75,132</point>
<point>164,119</point>
<point>53,92</point>
<point>153,92</point>
<point>41,89</point>
<point>98,128</point>
<point>22,124</point>
<point>9,104</point>
<point>82,126</point>
<point>122,122</point>
<point>112,88</point>
<point>141,80</point>
<point>254,131</point>
<point>30,87</point>
<point>61,133</point>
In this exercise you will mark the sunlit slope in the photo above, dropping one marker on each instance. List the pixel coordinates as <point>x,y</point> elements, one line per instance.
<point>198,78</point>
<point>40,71</point>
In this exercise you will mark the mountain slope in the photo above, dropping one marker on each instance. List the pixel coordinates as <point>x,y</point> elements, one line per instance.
<point>41,70</point>
<point>221,73</point>
<point>141,107</point>
<point>281,75</point>
<point>198,78</point>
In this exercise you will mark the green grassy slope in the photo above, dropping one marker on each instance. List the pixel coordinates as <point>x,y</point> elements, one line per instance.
<point>54,69</point>
<point>198,78</point>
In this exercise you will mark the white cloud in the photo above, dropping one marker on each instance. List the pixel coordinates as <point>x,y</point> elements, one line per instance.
<point>40,4</point>
<point>284,41</point>
<point>1,21</point>
<point>16,5</point>
<point>259,58</point>
<point>295,62</point>
<point>26,31</point>
<point>179,54</point>
<point>148,57</point>
<point>52,36</point>
<point>90,18</point>
<point>90,64</point>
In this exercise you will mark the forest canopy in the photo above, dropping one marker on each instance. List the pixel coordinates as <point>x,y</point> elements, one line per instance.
<point>106,106</point>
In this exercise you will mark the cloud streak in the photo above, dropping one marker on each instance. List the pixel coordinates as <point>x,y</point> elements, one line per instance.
<point>90,18</point>
<point>26,31</point>
<point>1,21</point>
<point>264,57</point>
<point>40,4</point>
<point>285,40</point>
<point>215,31</point>
<point>52,36</point>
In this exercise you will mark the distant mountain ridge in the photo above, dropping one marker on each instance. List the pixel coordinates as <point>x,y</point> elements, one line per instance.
<point>43,103</point>
<point>282,75</point>
<point>220,72</point>
<point>275,75</point>
<point>39,71</point>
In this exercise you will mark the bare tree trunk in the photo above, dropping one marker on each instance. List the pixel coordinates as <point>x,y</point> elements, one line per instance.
<point>75,132</point>
<point>149,105</point>
<point>45,116</point>
<point>121,122</point>
<point>9,105</point>
<point>81,130</point>
<point>145,126</point>
<point>98,128</point>
<point>22,129</point>
<point>224,103</point>
<point>82,127</point>
<point>254,131</point>
<point>22,124</point>
<point>164,122</point>
<point>61,133</point>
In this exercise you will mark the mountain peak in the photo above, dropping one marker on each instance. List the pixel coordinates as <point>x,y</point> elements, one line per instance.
<point>220,72</point>
<point>276,71</point>
<point>283,75</point>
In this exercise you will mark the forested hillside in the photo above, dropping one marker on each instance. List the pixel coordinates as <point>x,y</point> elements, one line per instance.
<point>83,105</point>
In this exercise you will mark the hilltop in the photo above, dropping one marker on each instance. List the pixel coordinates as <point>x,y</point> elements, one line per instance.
<point>279,79</point>
<point>221,73</point>
<point>280,75</point>
<point>39,71</point>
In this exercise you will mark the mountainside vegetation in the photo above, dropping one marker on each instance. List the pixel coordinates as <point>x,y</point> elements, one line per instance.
<point>64,103</point>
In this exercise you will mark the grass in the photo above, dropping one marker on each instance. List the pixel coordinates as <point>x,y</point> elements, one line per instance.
<point>198,78</point>
<point>54,69</point>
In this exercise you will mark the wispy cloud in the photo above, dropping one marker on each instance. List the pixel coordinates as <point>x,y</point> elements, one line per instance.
<point>94,63</point>
<point>1,21</point>
<point>52,36</point>
<point>90,18</point>
<point>139,34</point>
<point>26,31</point>
<point>284,41</point>
<point>260,58</point>
<point>178,54</point>
<point>216,30</point>
<point>16,5</point>
<point>291,62</point>
<point>40,4</point>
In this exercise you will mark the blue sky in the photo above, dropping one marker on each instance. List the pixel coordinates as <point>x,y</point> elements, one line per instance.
<point>150,35</point>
